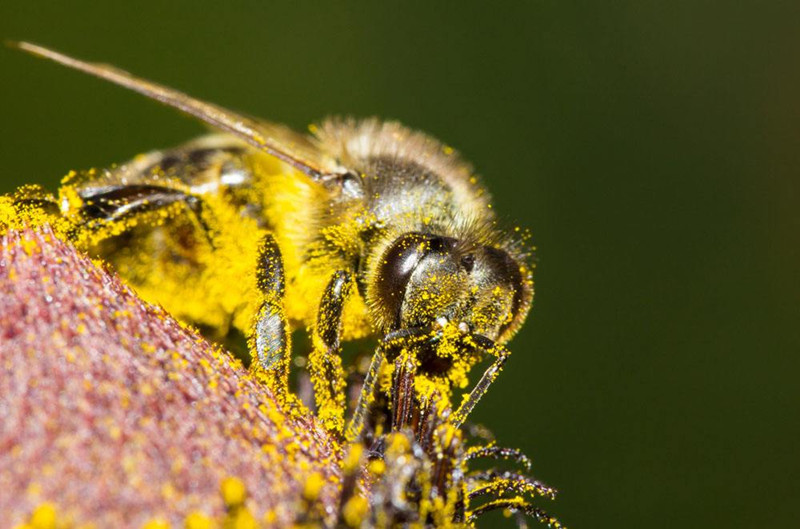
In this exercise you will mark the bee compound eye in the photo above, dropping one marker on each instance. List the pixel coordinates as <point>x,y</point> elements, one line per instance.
<point>398,265</point>
<point>507,271</point>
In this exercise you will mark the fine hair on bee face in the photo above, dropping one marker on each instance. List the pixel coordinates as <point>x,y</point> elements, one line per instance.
<point>361,228</point>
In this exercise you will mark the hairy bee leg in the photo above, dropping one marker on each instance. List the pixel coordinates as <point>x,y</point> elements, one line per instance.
<point>498,452</point>
<point>405,370</point>
<point>489,376</point>
<point>405,336</point>
<point>31,207</point>
<point>115,205</point>
<point>48,206</point>
<point>515,504</point>
<point>497,483</point>
<point>116,202</point>
<point>270,338</point>
<point>366,396</point>
<point>448,467</point>
<point>324,360</point>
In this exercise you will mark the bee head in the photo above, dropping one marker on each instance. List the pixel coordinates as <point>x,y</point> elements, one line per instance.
<point>422,279</point>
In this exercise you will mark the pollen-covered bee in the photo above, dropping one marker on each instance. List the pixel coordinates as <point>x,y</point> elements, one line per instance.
<point>361,228</point>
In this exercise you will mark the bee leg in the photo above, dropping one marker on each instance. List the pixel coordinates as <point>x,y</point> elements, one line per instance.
<point>324,360</point>
<point>405,370</point>
<point>270,338</point>
<point>391,342</point>
<point>366,396</point>
<point>31,206</point>
<point>118,206</point>
<point>501,355</point>
<point>449,468</point>
<point>514,504</point>
<point>35,198</point>
<point>493,482</point>
<point>111,210</point>
<point>497,452</point>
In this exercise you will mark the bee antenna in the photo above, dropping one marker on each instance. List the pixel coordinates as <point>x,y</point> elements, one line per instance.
<point>250,130</point>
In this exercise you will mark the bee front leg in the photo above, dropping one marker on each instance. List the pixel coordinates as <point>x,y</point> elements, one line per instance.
<point>393,343</point>
<point>501,354</point>
<point>270,338</point>
<point>403,408</point>
<point>324,361</point>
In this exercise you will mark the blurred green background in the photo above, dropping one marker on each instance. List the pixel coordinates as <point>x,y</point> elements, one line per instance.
<point>652,147</point>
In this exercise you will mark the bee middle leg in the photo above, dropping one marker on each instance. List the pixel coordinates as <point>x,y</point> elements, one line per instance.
<point>270,337</point>
<point>324,360</point>
<point>115,209</point>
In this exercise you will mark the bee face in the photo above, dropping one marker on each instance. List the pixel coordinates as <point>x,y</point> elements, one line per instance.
<point>423,279</point>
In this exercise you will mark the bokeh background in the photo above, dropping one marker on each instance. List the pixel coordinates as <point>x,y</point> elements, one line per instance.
<point>652,148</point>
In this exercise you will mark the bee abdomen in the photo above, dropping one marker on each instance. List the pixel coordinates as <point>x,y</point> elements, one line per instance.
<point>204,166</point>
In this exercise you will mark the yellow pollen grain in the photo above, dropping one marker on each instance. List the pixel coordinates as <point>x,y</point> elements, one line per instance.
<point>355,510</point>
<point>313,486</point>
<point>43,517</point>
<point>377,467</point>
<point>156,524</point>
<point>233,491</point>
<point>198,520</point>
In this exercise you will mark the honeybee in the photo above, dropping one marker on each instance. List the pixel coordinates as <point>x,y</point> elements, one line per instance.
<point>361,228</point>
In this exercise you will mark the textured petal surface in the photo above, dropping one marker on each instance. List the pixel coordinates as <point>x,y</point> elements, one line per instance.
<point>116,414</point>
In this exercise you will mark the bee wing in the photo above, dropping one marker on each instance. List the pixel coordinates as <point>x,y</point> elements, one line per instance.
<point>276,140</point>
